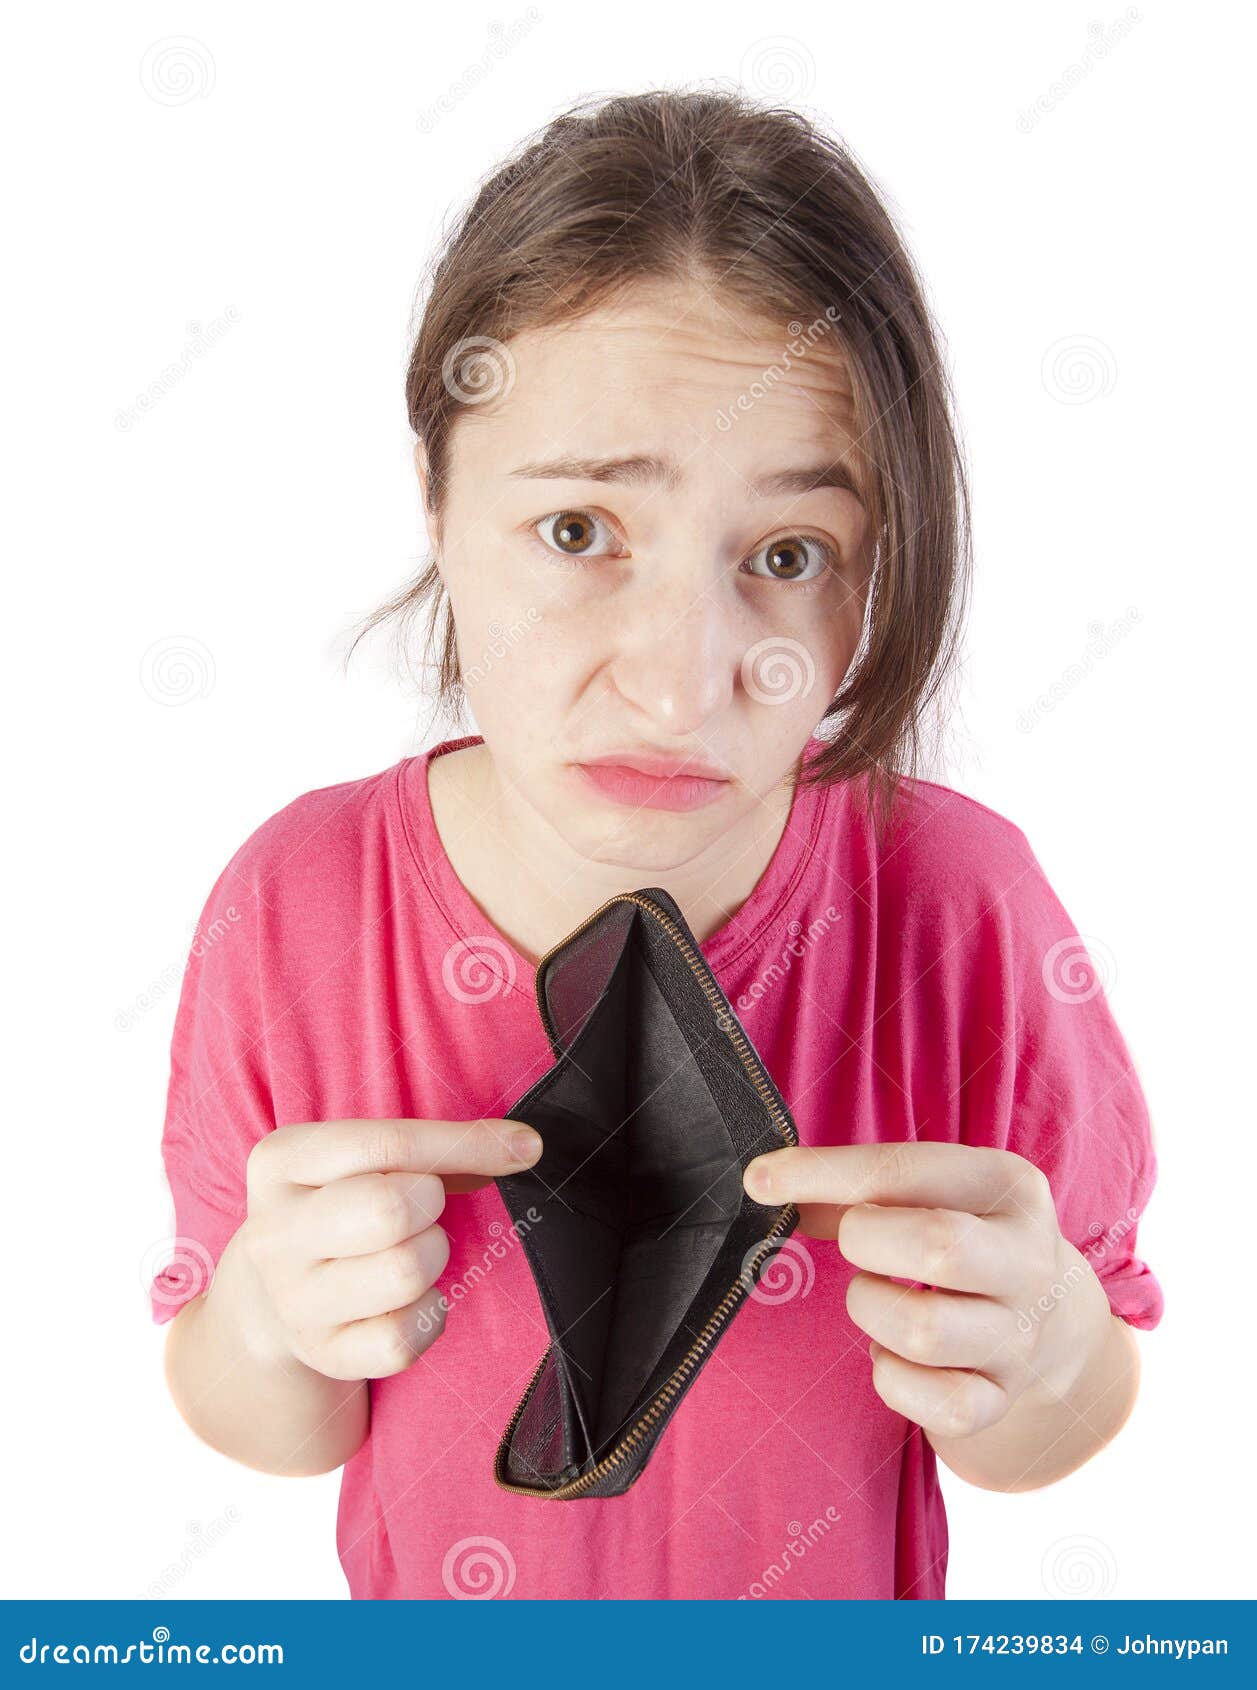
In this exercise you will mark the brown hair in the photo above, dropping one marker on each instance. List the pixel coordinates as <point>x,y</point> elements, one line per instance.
<point>758,201</point>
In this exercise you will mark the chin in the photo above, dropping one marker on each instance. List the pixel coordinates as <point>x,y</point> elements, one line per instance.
<point>652,841</point>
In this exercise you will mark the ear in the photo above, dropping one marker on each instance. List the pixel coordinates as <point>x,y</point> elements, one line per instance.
<point>422,470</point>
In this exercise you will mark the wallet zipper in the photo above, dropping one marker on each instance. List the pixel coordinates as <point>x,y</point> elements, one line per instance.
<point>740,1287</point>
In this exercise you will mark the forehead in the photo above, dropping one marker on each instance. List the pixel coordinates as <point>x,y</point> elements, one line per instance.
<point>669,368</point>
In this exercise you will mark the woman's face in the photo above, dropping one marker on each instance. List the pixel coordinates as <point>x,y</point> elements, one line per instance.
<point>634,573</point>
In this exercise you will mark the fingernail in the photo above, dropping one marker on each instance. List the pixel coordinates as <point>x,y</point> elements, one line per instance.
<point>759,1179</point>
<point>525,1145</point>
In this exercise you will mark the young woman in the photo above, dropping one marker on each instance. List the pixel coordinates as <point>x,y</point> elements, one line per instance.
<point>699,524</point>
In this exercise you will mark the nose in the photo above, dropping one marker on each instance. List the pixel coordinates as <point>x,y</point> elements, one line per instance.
<point>676,658</point>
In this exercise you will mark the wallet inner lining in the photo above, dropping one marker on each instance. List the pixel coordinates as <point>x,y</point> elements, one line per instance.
<point>632,1230</point>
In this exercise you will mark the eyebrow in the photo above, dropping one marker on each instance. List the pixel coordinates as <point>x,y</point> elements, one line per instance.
<point>641,471</point>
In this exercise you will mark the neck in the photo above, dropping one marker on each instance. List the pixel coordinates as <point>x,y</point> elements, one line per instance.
<point>534,888</point>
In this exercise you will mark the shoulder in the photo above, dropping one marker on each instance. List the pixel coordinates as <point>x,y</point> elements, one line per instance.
<point>939,820</point>
<point>953,888</point>
<point>300,890</point>
<point>315,836</point>
<point>945,848</point>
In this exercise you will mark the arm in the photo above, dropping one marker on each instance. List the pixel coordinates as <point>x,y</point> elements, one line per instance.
<point>239,1387</point>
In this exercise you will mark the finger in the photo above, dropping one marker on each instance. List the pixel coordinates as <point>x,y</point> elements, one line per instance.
<point>317,1152</point>
<point>935,1328</point>
<point>362,1286</point>
<point>943,1247</point>
<point>386,1343</point>
<point>943,1401</point>
<point>954,1176</point>
<point>365,1213</point>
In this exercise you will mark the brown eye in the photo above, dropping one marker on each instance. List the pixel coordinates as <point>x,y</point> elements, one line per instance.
<point>787,559</point>
<point>572,533</point>
<point>793,557</point>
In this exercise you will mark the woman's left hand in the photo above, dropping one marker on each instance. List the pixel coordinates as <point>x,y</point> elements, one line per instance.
<point>1012,1307</point>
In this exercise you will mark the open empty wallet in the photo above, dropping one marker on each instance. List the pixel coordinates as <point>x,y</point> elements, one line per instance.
<point>640,1237</point>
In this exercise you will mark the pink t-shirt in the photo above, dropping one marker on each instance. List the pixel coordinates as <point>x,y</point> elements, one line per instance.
<point>934,990</point>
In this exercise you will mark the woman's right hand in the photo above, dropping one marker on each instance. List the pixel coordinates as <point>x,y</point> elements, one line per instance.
<point>342,1236</point>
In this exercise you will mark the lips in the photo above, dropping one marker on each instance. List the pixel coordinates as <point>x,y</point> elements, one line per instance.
<point>644,780</point>
<point>663,768</point>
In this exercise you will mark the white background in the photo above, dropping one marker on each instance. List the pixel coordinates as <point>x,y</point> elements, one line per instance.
<point>266,500</point>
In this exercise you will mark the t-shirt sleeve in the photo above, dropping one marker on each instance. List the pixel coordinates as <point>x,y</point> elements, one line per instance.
<point>1078,1110</point>
<point>219,1101</point>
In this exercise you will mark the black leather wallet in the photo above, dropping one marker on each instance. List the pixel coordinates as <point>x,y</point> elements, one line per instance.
<point>640,1238</point>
